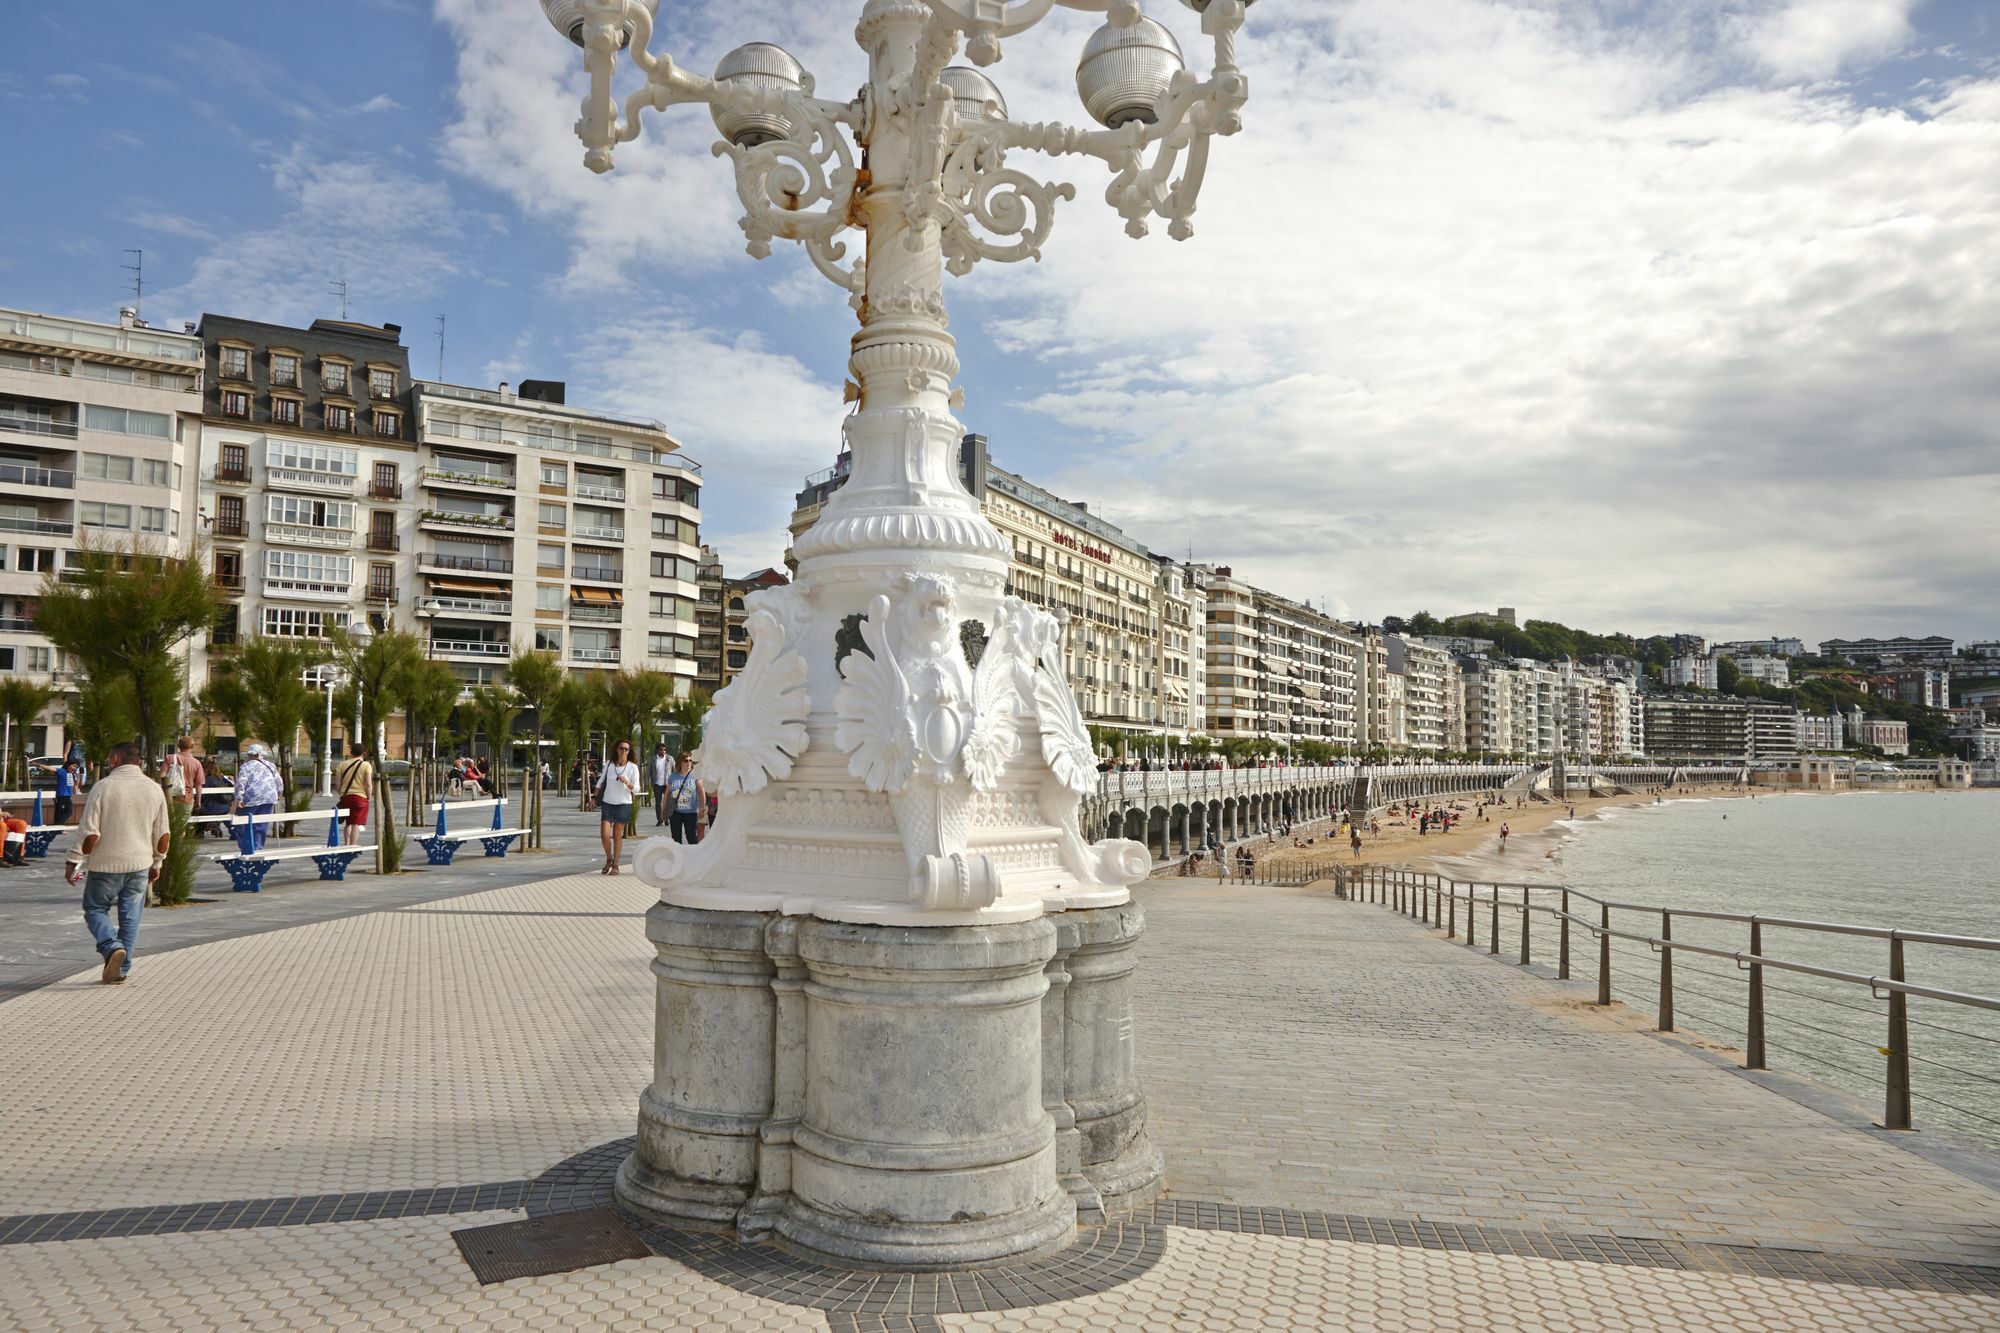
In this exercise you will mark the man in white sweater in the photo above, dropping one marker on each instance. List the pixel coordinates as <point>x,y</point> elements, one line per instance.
<point>121,840</point>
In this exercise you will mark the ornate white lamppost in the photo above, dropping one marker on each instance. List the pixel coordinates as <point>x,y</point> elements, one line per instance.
<point>894,984</point>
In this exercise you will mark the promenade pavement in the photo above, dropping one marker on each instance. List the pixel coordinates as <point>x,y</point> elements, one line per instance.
<point>1364,1127</point>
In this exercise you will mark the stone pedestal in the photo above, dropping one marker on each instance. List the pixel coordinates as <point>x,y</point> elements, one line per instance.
<point>897,1097</point>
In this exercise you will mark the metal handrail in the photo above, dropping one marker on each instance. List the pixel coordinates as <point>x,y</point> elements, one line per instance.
<point>1435,900</point>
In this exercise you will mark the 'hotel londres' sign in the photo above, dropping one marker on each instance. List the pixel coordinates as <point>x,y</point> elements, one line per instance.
<point>1094,552</point>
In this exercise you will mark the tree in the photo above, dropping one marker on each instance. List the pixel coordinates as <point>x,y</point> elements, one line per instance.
<point>121,612</point>
<point>1727,675</point>
<point>380,669</point>
<point>493,709</point>
<point>227,695</point>
<point>272,670</point>
<point>573,710</point>
<point>535,678</point>
<point>430,693</point>
<point>100,714</point>
<point>21,703</point>
<point>631,700</point>
<point>688,713</point>
<point>1423,623</point>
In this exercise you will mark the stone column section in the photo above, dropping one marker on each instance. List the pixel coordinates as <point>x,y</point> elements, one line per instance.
<point>1100,1070</point>
<point>924,1142</point>
<point>699,1120</point>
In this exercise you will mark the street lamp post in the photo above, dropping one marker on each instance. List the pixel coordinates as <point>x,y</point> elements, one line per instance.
<point>894,996</point>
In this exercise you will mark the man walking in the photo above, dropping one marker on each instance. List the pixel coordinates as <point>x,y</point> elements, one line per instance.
<point>661,769</point>
<point>66,792</point>
<point>191,776</point>
<point>123,838</point>
<point>257,790</point>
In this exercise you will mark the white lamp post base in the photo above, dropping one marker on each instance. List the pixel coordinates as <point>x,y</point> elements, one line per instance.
<point>896,1097</point>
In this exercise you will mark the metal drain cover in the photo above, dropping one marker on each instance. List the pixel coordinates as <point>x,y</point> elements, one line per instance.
<point>543,1246</point>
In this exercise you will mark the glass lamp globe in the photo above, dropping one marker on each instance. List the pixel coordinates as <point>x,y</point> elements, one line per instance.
<point>1126,72</point>
<point>567,17</point>
<point>971,91</point>
<point>762,66</point>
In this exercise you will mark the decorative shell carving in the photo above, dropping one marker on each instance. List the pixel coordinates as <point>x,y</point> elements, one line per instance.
<point>758,725</point>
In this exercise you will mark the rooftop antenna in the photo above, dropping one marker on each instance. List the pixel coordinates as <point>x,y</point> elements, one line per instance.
<point>137,268</point>
<point>339,288</point>
<point>440,323</point>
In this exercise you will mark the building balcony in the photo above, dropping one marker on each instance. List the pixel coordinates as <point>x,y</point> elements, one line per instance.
<point>229,476</point>
<point>228,582</point>
<point>612,614</point>
<point>598,573</point>
<point>41,527</point>
<point>445,518</point>
<point>301,590</point>
<point>294,534</point>
<point>385,490</point>
<point>325,483</point>
<point>471,647</point>
<point>230,527</point>
<point>597,490</point>
<point>476,563</point>
<point>25,474</point>
<point>382,594</point>
<point>599,534</point>
<point>593,655</point>
<point>17,624</point>
<point>384,541</point>
<point>496,479</point>
<point>37,426</point>
<point>465,606</point>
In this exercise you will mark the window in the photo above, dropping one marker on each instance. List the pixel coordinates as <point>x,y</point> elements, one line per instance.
<point>304,511</point>
<point>382,383</point>
<point>298,623</point>
<point>555,474</point>
<point>39,660</point>
<point>107,467</point>
<point>97,514</point>
<point>549,557</point>
<point>284,369</point>
<point>666,606</point>
<point>235,403</point>
<point>388,424</point>
<point>285,411</point>
<point>36,560</point>
<point>340,419</point>
<point>309,567</point>
<point>386,484</point>
<point>121,422</point>
<point>382,530</point>
<point>300,456</point>
<point>737,659</point>
<point>333,376</point>
<point>673,567</point>
<point>6,659</point>
<point>381,580</point>
<point>675,530</point>
<point>669,645</point>
<point>152,519</point>
<point>548,597</point>
<point>552,516</point>
<point>236,362</point>
<point>548,640</point>
<point>156,472</point>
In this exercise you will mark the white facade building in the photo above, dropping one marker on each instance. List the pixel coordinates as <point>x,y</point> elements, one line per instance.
<point>1691,671</point>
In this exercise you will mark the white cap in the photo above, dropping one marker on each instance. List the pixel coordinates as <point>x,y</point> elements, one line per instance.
<point>253,749</point>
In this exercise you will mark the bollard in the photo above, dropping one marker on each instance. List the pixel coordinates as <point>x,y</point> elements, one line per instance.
<point>1666,972</point>
<point>1896,1109</point>
<point>1604,954</point>
<point>1471,915</point>
<point>1562,965</point>
<point>1527,910</point>
<point>1753,1039</point>
<point>1451,913</point>
<point>1493,926</point>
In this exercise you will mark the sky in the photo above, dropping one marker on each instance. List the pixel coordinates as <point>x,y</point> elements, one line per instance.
<point>1643,317</point>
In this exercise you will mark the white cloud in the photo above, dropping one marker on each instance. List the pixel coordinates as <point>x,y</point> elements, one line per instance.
<point>1817,39</point>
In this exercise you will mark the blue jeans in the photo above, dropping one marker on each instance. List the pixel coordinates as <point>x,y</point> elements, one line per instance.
<point>126,889</point>
<point>259,832</point>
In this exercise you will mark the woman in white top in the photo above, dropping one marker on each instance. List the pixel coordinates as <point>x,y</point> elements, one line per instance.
<point>616,791</point>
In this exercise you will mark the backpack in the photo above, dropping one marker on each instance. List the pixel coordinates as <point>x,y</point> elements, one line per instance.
<point>177,782</point>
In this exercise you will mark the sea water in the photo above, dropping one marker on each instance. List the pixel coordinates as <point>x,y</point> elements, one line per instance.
<point>1918,861</point>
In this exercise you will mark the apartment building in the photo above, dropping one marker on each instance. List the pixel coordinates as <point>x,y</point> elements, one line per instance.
<point>95,422</point>
<point>1424,711</point>
<point>1281,672</point>
<point>1935,648</point>
<point>1689,671</point>
<point>1772,647</point>
<point>341,493</point>
<point>1685,729</point>
<point>1818,733</point>
<point>1135,651</point>
<point>708,621</point>
<point>1929,687</point>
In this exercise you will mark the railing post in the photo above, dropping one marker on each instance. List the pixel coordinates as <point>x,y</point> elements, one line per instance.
<point>1527,910</point>
<point>1896,1110</point>
<point>1604,954</point>
<point>1451,912</point>
<point>1493,926</point>
<point>1562,963</point>
<point>1666,972</point>
<point>1471,915</point>
<point>1753,1038</point>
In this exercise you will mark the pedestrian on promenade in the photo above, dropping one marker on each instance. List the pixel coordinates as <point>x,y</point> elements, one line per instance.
<point>184,774</point>
<point>615,793</point>
<point>122,840</point>
<point>1504,832</point>
<point>16,835</point>
<point>257,790</point>
<point>352,785</point>
<point>66,791</point>
<point>685,798</point>
<point>661,771</point>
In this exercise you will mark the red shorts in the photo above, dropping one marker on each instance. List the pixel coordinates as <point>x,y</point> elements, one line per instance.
<point>357,810</point>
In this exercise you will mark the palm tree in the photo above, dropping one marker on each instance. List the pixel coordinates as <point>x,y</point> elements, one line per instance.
<point>535,678</point>
<point>273,671</point>
<point>430,693</point>
<point>573,709</point>
<point>494,708</point>
<point>21,703</point>
<point>687,713</point>
<point>380,669</point>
